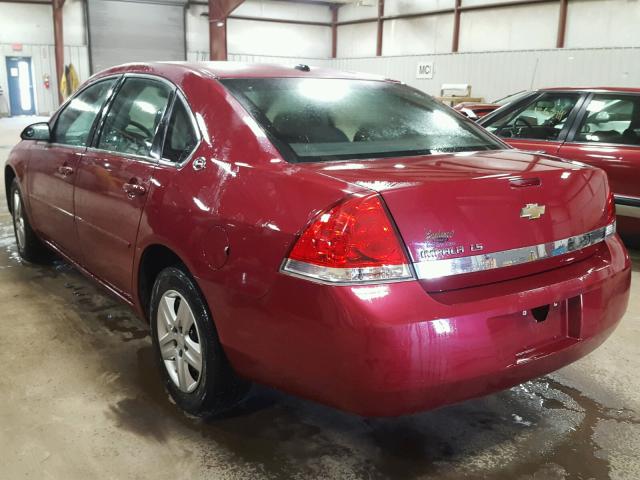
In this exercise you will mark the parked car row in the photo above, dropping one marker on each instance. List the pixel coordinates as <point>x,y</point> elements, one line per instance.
<point>339,236</point>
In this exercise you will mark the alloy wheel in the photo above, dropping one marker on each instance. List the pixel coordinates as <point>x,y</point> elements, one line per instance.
<point>18,218</point>
<point>179,341</point>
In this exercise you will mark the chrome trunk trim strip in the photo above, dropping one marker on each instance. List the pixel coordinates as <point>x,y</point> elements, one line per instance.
<point>432,269</point>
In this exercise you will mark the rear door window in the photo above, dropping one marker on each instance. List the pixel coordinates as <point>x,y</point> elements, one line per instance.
<point>134,116</point>
<point>75,122</point>
<point>543,118</point>
<point>611,119</point>
<point>181,136</point>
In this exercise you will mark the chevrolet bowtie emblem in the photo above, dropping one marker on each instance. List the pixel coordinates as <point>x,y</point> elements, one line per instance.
<point>532,211</point>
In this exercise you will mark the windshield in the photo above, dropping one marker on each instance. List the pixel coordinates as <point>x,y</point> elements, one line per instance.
<point>334,119</point>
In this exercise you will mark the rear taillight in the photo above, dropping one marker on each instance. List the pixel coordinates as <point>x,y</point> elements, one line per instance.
<point>352,242</point>
<point>611,215</point>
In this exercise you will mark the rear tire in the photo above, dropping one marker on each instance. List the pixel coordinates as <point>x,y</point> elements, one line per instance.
<point>30,247</point>
<point>194,368</point>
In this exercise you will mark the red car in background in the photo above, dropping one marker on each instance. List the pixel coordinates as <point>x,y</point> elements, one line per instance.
<point>598,126</point>
<point>477,110</point>
<point>339,236</point>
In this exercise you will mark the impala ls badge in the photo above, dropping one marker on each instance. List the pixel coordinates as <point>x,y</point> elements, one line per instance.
<point>532,211</point>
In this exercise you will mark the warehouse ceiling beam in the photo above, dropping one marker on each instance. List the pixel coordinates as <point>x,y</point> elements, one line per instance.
<point>219,11</point>
<point>58,43</point>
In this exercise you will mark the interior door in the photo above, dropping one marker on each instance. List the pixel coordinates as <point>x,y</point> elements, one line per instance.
<point>20,80</point>
<point>114,177</point>
<point>53,167</point>
<point>540,124</point>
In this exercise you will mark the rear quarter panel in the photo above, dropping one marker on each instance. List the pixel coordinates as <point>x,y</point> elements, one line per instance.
<point>233,222</point>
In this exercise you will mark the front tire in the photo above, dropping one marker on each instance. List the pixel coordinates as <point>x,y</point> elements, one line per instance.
<point>192,363</point>
<point>30,247</point>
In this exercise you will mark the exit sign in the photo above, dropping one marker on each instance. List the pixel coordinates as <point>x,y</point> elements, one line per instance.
<point>16,47</point>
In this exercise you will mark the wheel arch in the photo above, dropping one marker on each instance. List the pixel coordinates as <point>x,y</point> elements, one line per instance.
<point>9,175</point>
<point>154,258</point>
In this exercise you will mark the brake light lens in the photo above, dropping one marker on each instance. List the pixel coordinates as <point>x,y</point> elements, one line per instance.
<point>611,215</point>
<point>352,242</point>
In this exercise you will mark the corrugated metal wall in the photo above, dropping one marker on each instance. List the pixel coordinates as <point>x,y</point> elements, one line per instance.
<point>241,57</point>
<point>496,74</point>
<point>43,62</point>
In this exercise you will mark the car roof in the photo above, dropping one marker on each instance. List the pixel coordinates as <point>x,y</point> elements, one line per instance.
<point>235,70</point>
<point>596,89</point>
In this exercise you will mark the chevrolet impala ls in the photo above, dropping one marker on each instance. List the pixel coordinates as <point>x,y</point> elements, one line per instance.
<point>338,236</point>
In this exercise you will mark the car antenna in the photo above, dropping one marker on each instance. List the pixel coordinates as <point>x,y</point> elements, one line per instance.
<point>302,67</point>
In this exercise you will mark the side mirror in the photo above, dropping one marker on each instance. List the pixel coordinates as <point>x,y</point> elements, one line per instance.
<point>37,131</point>
<point>602,117</point>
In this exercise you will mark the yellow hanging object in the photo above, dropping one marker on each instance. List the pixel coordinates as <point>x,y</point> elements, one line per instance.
<point>69,82</point>
<point>74,81</point>
<point>63,86</point>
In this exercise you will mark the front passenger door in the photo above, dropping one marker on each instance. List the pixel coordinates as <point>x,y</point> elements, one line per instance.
<point>114,177</point>
<point>540,124</point>
<point>53,166</point>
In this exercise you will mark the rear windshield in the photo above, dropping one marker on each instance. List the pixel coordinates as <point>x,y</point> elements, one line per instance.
<point>312,120</point>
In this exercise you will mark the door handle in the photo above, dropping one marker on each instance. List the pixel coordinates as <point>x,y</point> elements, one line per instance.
<point>65,170</point>
<point>133,189</point>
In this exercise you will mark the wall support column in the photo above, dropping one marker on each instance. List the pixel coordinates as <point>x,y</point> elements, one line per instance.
<point>58,42</point>
<point>380,27</point>
<point>219,11</point>
<point>334,30</point>
<point>562,23</point>
<point>455,42</point>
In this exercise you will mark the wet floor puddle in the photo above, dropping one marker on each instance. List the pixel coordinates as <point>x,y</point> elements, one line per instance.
<point>539,430</point>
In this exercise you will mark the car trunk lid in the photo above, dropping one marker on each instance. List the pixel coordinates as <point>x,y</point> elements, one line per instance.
<point>508,204</point>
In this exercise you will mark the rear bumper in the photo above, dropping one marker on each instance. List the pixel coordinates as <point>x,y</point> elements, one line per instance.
<point>392,349</point>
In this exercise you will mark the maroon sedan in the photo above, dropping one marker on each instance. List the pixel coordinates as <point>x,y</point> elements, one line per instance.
<point>598,126</point>
<point>338,236</point>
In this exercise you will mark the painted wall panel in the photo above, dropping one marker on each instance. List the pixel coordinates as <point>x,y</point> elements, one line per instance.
<point>197,28</point>
<point>397,7</point>
<point>357,40</point>
<point>26,23</point>
<point>284,10</point>
<point>73,23</point>
<point>603,23</point>
<point>33,23</point>
<point>265,38</point>
<point>509,28</point>
<point>357,11</point>
<point>432,34</point>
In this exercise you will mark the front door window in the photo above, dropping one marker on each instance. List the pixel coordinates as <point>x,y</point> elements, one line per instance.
<point>541,119</point>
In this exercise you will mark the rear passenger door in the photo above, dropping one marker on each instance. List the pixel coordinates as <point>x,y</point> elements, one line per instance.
<point>114,178</point>
<point>540,124</point>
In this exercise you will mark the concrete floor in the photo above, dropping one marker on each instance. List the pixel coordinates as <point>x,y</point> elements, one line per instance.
<point>80,398</point>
